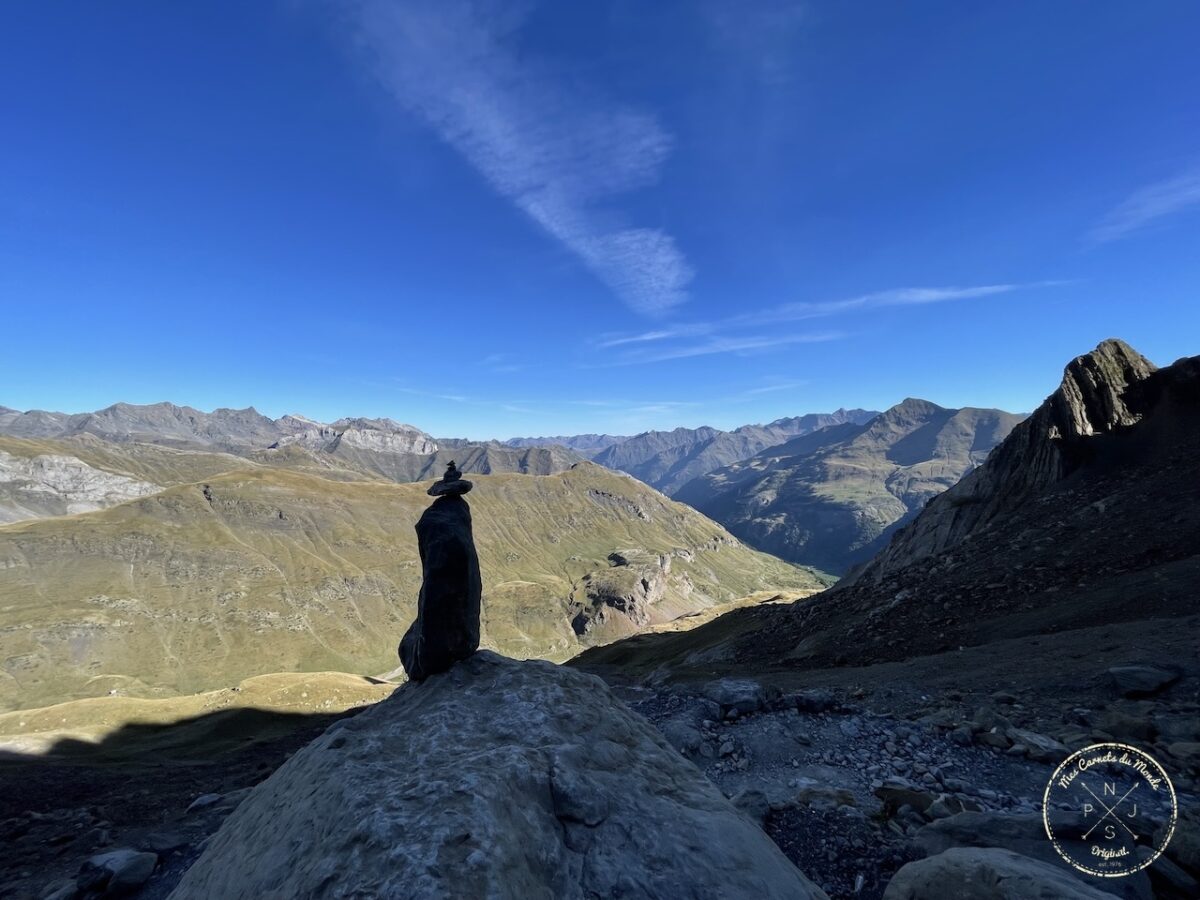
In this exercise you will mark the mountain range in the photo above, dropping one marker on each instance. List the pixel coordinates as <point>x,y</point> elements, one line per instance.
<point>348,449</point>
<point>668,460</point>
<point>833,497</point>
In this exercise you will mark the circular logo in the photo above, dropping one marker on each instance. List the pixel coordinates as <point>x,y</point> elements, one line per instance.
<point>1109,810</point>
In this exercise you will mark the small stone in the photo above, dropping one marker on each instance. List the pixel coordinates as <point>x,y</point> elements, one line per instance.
<point>204,801</point>
<point>813,700</point>
<point>993,739</point>
<point>163,841</point>
<point>736,694</point>
<point>117,872</point>
<point>1039,747</point>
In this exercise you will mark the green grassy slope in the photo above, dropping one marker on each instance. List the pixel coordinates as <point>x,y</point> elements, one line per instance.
<point>269,570</point>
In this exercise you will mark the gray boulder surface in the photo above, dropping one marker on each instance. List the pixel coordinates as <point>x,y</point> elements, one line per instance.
<point>447,625</point>
<point>1025,834</point>
<point>496,779</point>
<point>986,873</point>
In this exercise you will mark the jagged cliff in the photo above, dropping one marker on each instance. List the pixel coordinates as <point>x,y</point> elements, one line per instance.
<point>1096,397</point>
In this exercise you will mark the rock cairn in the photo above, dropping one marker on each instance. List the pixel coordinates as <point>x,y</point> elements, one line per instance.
<point>447,625</point>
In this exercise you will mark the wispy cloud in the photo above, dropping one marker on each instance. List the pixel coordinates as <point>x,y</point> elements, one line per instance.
<point>722,334</point>
<point>740,345</point>
<point>771,388</point>
<point>661,334</point>
<point>1147,205</point>
<point>554,149</point>
<point>911,296</point>
<point>501,363</point>
<point>454,398</point>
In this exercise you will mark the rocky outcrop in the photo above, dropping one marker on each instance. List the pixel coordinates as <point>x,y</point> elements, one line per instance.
<point>1096,398</point>
<point>52,484</point>
<point>621,599</point>
<point>497,779</point>
<point>378,435</point>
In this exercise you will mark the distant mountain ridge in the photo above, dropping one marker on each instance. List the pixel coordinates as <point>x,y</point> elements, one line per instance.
<point>223,428</point>
<point>587,444</point>
<point>830,498</point>
<point>350,449</point>
<point>668,460</point>
<point>354,447</point>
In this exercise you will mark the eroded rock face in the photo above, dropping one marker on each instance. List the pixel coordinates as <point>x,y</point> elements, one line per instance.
<point>447,625</point>
<point>53,484</point>
<point>380,435</point>
<point>620,599</point>
<point>496,779</point>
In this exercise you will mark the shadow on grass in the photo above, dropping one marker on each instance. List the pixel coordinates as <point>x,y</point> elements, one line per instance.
<point>196,740</point>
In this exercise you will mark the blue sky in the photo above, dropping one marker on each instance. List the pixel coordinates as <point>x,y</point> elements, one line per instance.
<point>509,219</point>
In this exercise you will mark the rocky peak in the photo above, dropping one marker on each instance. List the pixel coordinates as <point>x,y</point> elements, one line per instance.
<point>384,435</point>
<point>911,408</point>
<point>1091,399</point>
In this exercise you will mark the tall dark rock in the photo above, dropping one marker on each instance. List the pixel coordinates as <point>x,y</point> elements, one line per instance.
<point>447,625</point>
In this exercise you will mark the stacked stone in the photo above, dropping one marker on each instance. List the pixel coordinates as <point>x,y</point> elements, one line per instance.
<point>447,625</point>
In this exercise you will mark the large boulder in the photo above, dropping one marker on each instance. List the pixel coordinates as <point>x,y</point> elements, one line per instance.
<point>986,874</point>
<point>497,779</point>
<point>1025,833</point>
<point>1142,681</point>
